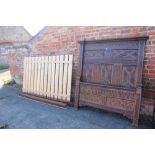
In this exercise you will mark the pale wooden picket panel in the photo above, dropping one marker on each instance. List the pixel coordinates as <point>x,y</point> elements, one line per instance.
<point>48,76</point>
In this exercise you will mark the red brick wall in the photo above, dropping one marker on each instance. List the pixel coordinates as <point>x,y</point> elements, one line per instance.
<point>64,40</point>
<point>16,59</point>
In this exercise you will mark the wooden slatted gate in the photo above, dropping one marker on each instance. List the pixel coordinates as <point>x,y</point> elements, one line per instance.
<point>48,77</point>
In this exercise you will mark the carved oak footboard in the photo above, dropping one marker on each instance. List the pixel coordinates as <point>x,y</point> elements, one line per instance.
<point>110,75</point>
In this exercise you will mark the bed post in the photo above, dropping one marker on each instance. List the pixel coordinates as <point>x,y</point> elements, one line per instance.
<point>78,79</point>
<point>139,81</point>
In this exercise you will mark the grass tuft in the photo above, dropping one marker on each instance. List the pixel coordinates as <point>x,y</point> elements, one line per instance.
<point>10,82</point>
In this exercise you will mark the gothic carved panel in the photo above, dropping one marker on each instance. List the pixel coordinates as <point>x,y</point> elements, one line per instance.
<point>121,99</point>
<point>110,72</point>
<point>97,53</point>
<point>124,54</point>
<point>108,66</point>
<point>129,73</point>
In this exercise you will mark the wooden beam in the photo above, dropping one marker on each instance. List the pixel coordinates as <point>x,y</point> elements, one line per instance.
<point>37,98</point>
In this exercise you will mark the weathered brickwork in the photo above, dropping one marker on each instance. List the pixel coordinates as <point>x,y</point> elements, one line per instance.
<point>64,40</point>
<point>11,36</point>
<point>16,59</point>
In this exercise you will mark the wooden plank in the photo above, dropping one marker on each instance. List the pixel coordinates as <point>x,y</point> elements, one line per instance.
<point>24,76</point>
<point>45,76</point>
<point>32,75</point>
<point>69,77</point>
<point>42,76</point>
<point>38,76</point>
<point>35,74</point>
<point>65,74</point>
<point>29,76</point>
<point>57,78</point>
<point>54,102</point>
<point>61,77</point>
<point>49,76</point>
<point>53,77</point>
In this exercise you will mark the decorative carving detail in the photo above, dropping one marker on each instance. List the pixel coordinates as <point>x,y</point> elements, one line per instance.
<point>106,74</point>
<point>95,53</point>
<point>116,76</point>
<point>111,73</point>
<point>129,76</point>
<point>125,54</point>
<point>120,99</point>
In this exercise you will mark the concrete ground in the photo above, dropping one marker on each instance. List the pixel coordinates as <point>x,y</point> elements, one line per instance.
<point>19,112</point>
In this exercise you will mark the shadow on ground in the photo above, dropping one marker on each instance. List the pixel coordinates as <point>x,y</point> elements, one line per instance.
<point>19,112</point>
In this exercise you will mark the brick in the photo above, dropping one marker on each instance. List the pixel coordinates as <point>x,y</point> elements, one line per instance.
<point>151,71</point>
<point>150,67</point>
<point>151,37</point>
<point>126,31</point>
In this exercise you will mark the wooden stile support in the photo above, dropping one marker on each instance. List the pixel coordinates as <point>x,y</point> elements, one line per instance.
<point>46,100</point>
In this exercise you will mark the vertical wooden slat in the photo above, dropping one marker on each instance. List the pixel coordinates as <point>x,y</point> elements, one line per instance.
<point>31,70</point>
<point>61,77</point>
<point>27,74</point>
<point>69,78</point>
<point>49,76</point>
<point>35,74</point>
<point>42,76</point>
<point>45,76</point>
<point>27,78</point>
<point>32,75</point>
<point>38,76</point>
<point>53,76</point>
<point>64,92</point>
<point>29,84</point>
<point>24,75</point>
<point>57,78</point>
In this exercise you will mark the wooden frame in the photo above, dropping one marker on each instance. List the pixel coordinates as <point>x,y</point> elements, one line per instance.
<point>122,91</point>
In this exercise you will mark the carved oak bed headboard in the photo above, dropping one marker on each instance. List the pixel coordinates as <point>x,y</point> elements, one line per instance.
<point>110,75</point>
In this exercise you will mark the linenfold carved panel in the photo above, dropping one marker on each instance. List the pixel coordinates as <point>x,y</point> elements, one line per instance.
<point>111,75</point>
<point>111,65</point>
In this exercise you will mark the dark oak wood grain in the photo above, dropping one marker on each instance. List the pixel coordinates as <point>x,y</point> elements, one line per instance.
<point>110,75</point>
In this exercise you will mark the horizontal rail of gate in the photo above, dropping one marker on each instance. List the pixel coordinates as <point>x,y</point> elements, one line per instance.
<point>48,77</point>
